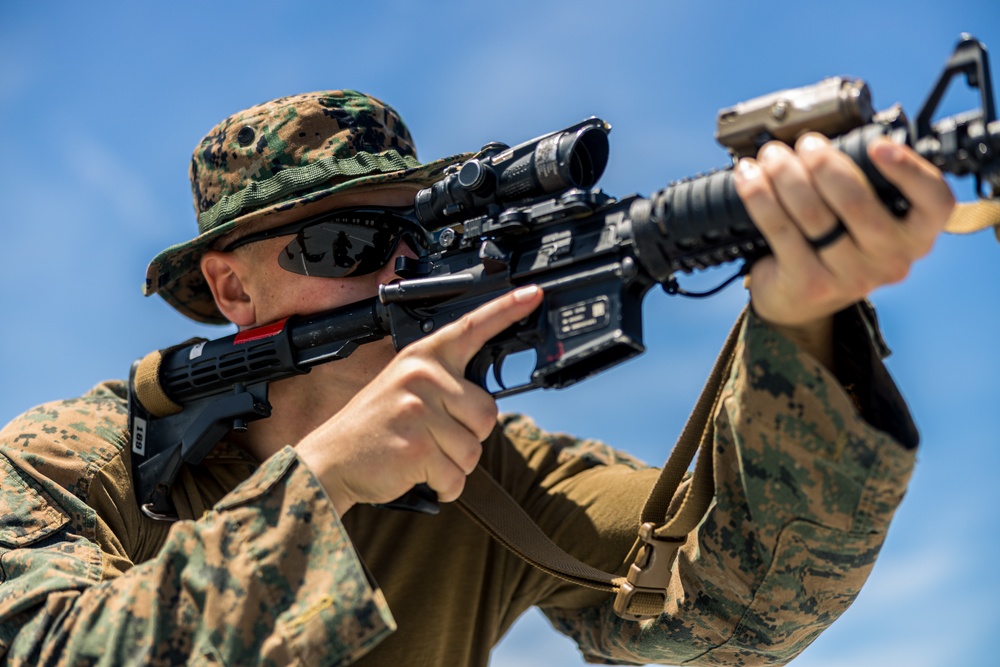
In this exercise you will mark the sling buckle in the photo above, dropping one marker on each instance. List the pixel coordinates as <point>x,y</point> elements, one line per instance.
<point>644,594</point>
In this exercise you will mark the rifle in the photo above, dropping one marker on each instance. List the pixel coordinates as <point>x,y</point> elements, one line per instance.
<point>531,214</point>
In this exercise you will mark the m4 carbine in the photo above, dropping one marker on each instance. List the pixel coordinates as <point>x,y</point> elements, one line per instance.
<point>531,215</point>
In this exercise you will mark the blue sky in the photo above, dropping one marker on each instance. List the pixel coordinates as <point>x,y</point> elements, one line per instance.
<point>103,103</point>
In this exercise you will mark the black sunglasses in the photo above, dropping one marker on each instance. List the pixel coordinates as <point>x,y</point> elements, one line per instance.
<point>342,243</point>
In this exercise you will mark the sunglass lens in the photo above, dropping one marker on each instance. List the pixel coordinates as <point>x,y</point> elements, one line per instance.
<point>336,250</point>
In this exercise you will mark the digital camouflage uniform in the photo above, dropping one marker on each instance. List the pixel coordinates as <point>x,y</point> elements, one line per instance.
<point>261,570</point>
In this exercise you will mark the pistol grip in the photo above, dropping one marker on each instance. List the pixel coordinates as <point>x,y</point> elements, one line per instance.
<point>421,499</point>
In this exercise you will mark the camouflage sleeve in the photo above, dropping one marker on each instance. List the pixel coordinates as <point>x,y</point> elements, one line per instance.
<point>267,577</point>
<point>805,488</point>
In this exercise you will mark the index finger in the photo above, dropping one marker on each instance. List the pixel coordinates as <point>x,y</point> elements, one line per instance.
<point>461,340</point>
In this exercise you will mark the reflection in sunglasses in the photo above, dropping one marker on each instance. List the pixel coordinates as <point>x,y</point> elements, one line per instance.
<point>348,242</point>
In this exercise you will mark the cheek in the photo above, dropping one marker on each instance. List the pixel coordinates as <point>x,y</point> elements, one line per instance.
<point>281,293</point>
<point>348,290</point>
<point>292,294</point>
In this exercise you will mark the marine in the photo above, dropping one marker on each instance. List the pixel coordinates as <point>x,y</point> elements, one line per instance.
<point>280,557</point>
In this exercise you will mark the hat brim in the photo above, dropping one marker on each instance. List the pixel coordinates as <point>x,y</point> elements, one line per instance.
<point>175,273</point>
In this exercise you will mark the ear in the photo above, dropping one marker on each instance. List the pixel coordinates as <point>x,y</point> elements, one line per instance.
<point>225,273</point>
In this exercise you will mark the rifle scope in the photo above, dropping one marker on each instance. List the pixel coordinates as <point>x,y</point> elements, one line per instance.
<point>500,176</point>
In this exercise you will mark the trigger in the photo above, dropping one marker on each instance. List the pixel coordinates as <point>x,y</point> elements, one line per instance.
<point>498,358</point>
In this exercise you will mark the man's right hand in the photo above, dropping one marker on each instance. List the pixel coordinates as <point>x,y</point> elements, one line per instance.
<point>419,420</point>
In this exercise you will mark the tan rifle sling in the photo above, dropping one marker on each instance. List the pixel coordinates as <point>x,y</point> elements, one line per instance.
<point>663,524</point>
<point>969,218</point>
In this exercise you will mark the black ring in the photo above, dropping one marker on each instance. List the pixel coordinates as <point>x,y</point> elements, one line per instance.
<point>829,238</point>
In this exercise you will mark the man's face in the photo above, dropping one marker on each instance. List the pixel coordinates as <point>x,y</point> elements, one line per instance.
<point>278,293</point>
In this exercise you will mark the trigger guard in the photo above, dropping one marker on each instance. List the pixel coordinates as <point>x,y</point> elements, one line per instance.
<point>498,359</point>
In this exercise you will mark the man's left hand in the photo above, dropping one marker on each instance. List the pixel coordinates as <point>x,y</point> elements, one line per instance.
<point>797,197</point>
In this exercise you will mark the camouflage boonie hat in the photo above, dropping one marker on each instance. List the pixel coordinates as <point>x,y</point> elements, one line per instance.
<point>278,162</point>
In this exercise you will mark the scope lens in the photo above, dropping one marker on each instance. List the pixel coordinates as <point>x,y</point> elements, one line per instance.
<point>588,157</point>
